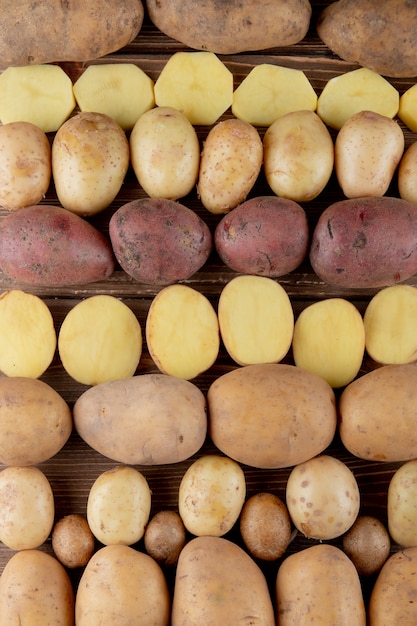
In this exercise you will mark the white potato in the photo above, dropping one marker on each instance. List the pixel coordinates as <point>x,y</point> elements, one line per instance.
<point>407,174</point>
<point>402,505</point>
<point>407,110</point>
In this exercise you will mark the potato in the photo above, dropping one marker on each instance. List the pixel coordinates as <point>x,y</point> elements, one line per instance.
<point>367,543</point>
<point>48,246</point>
<point>120,90</point>
<point>27,334</point>
<point>407,108</point>
<point>298,156</point>
<point>159,241</point>
<point>271,415</point>
<point>27,507</point>
<point>76,31</point>
<point>90,159</point>
<point>265,236</point>
<point>367,405</point>
<point>100,339</point>
<point>349,93</point>
<point>365,242</point>
<point>165,153</point>
<point>265,526</point>
<point>35,589</point>
<point>390,329</point>
<point>219,583</point>
<point>363,32</point>
<point>406,174</point>
<point>211,495</point>
<point>329,340</point>
<point>231,28</point>
<point>25,165</point>
<point>256,320</point>
<point>165,536</point>
<point>31,411</point>
<point>72,541</point>
<point>182,332</point>
<point>39,94</point>
<point>401,505</point>
<point>392,597</point>
<point>197,84</point>
<point>118,506</point>
<point>230,164</point>
<point>149,419</point>
<point>270,91</point>
<point>139,592</point>
<point>319,584</point>
<point>368,148</point>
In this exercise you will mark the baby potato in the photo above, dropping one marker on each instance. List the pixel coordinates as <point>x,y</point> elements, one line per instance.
<point>265,526</point>
<point>211,495</point>
<point>230,164</point>
<point>165,153</point>
<point>165,536</point>
<point>402,505</point>
<point>118,506</point>
<point>73,541</point>
<point>407,174</point>
<point>298,156</point>
<point>90,158</point>
<point>27,507</point>
<point>367,543</point>
<point>25,165</point>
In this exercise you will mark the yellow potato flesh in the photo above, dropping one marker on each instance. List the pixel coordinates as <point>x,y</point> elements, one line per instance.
<point>40,94</point>
<point>121,90</point>
<point>407,174</point>
<point>256,320</point>
<point>196,83</point>
<point>391,326</point>
<point>329,340</point>
<point>27,334</point>
<point>407,111</point>
<point>355,91</point>
<point>270,91</point>
<point>100,340</point>
<point>182,332</point>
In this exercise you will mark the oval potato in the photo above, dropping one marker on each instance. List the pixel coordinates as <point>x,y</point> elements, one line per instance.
<point>401,505</point>
<point>271,415</point>
<point>148,419</point>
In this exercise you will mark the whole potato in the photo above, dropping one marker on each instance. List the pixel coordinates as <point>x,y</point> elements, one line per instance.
<point>401,505</point>
<point>407,174</point>
<point>165,536</point>
<point>367,543</point>
<point>72,541</point>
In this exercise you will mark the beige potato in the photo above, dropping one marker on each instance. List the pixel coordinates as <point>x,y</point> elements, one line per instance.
<point>368,149</point>
<point>401,505</point>
<point>256,320</point>
<point>407,108</point>
<point>90,159</point>
<point>27,507</point>
<point>25,165</point>
<point>139,592</point>
<point>298,156</point>
<point>230,164</point>
<point>407,172</point>
<point>271,415</point>
<point>35,590</point>
<point>165,153</point>
<point>100,340</point>
<point>72,541</point>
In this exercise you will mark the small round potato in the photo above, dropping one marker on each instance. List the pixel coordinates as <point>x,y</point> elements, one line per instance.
<point>72,541</point>
<point>165,537</point>
<point>265,526</point>
<point>367,543</point>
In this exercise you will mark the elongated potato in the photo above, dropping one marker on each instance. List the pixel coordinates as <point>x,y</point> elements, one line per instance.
<point>77,31</point>
<point>319,584</point>
<point>148,419</point>
<point>219,583</point>
<point>35,589</point>
<point>271,415</point>
<point>367,406</point>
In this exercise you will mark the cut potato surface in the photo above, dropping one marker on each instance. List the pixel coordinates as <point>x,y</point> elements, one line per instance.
<point>256,320</point>
<point>182,332</point>
<point>40,94</point>
<point>27,334</point>
<point>121,90</point>
<point>196,83</point>
<point>355,91</point>
<point>99,340</point>
<point>270,91</point>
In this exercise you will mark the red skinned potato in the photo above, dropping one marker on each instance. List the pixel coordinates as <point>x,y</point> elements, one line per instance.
<point>159,241</point>
<point>366,242</point>
<point>265,236</point>
<point>45,245</point>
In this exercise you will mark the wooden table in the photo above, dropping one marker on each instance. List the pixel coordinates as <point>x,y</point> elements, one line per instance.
<point>73,470</point>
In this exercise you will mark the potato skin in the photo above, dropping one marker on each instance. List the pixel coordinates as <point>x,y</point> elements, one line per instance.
<point>271,415</point>
<point>233,26</point>
<point>159,241</point>
<point>45,245</point>
<point>148,419</point>
<point>77,31</point>
<point>365,242</point>
<point>266,236</point>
